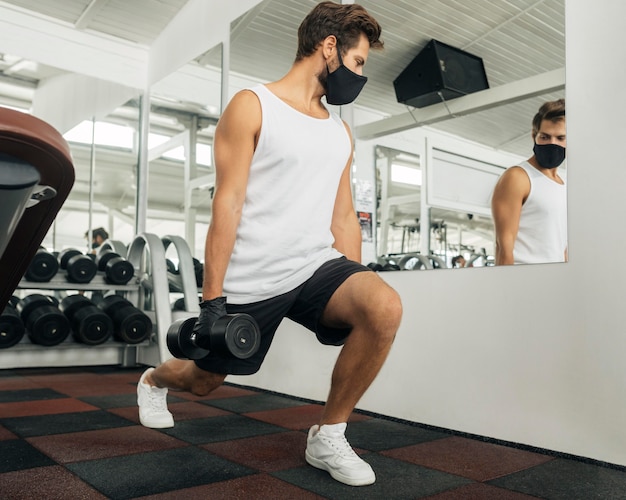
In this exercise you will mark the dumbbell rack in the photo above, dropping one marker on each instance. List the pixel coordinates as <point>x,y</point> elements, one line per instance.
<point>147,254</point>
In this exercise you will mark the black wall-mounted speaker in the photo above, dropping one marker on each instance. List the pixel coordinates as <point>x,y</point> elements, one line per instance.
<point>439,68</point>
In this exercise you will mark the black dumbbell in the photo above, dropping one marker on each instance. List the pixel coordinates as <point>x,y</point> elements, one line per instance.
<point>117,270</point>
<point>237,335</point>
<point>198,268</point>
<point>43,267</point>
<point>79,268</point>
<point>45,323</point>
<point>11,327</point>
<point>90,325</point>
<point>130,324</point>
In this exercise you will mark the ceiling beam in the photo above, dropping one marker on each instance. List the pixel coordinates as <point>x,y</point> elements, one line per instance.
<point>533,86</point>
<point>89,13</point>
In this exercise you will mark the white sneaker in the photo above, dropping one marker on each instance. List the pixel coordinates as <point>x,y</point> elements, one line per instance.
<point>328,449</point>
<point>152,403</point>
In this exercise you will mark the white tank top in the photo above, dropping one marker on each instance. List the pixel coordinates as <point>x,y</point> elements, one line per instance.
<point>542,234</point>
<point>284,234</point>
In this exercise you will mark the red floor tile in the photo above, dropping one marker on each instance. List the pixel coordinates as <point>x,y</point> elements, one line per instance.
<point>250,487</point>
<point>91,445</point>
<point>45,407</point>
<point>268,453</point>
<point>17,383</point>
<point>6,434</point>
<point>469,458</point>
<point>46,482</point>
<point>297,417</point>
<point>181,411</point>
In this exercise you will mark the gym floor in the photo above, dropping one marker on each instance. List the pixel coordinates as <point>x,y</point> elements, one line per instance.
<point>70,433</point>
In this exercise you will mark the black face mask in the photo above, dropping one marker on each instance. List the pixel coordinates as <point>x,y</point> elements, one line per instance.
<point>342,85</point>
<point>549,155</point>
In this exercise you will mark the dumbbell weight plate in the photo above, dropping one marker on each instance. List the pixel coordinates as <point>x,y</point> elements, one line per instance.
<point>11,327</point>
<point>179,340</point>
<point>81,269</point>
<point>47,326</point>
<point>237,335</point>
<point>91,326</point>
<point>28,304</point>
<point>72,303</point>
<point>42,268</point>
<point>66,255</point>
<point>118,271</point>
<point>132,325</point>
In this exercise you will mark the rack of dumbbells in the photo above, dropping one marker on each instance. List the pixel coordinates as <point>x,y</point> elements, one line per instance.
<point>75,309</point>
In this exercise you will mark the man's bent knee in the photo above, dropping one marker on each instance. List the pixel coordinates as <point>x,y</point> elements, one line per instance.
<point>205,382</point>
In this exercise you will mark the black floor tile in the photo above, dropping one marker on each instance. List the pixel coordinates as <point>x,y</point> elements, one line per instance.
<point>121,400</point>
<point>215,429</point>
<point>46,425</point>
<point>563,479</point>
<point>394,480</point>
<point>23,395</point>
<point>377,434</point>
<point>157,472</point>
<point>16,454</point>
<point>247,404</point>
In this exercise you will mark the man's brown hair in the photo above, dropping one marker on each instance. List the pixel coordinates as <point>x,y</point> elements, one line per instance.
<point>346,22</point>
<point>551,110</point>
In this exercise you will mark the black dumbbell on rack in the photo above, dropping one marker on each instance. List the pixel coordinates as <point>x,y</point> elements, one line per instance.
<point>45,323</point>
<point>130,324</point>
<point>117,270</point>
<point>235,335</point>
<point>79,268</point>
<point>43,267</point>
<point>11,325</point>
<point>90,325</point>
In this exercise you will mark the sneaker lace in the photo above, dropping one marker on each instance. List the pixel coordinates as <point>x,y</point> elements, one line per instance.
<point>156,401</point>
<point>341,446</point>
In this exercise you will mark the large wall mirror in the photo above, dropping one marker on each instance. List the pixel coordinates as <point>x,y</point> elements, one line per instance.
<point>427,171</point>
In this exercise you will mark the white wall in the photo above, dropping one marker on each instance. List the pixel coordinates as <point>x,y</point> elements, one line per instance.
<point>534,354</point>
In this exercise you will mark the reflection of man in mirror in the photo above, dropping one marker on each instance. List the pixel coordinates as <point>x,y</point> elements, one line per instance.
<point>529,203</point>
<point>285,241</point>
<point>458,261</point>
<point>98,237</point>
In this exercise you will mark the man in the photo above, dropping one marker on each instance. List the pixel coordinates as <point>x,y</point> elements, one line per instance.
<point>98,237</point>
<point>284,239</point>
<point>529,203</point>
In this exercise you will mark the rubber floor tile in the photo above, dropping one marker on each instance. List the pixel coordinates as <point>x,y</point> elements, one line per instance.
<point>256,403</point>
<point>37,394</point>
<point>259,486</point>
<point>297,418</point>
<point>216,429</point>
<point>46,483</point>
<point>562,479</point>
<point>61,423</point>
<point>48,407</point>
<point>480,491</point>
<point>187,410</point>
<point>6,434</point>
<point>469,458</point>
<point>16,454</point>
<point>121,400</point>
<point>145,474</point>
<point>284,450</point>
<point>376,434</point>
<point>91,445</point>
<point>394,480</point>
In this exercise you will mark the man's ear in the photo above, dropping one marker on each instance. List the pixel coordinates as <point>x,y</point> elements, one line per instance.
<point>329,46</point>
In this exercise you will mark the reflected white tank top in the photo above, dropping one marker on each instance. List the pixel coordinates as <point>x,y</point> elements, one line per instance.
<point>542,234</point>
<point>284,234</point>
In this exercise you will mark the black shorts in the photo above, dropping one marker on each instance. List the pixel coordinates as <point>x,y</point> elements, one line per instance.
<point>304,305</point>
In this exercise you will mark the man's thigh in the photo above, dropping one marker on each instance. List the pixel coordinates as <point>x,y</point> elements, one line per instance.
<point>357,299</point>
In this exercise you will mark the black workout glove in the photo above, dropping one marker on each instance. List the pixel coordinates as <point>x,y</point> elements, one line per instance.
<point>210,312</point>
